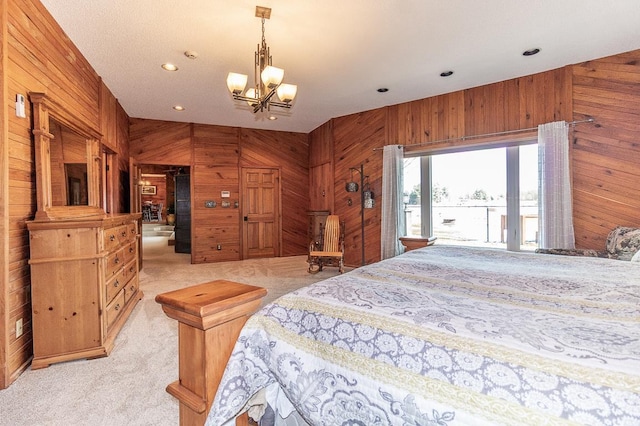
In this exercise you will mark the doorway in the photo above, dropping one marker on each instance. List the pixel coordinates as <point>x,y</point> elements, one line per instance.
<point>261,229</point>
<point>156,201</point>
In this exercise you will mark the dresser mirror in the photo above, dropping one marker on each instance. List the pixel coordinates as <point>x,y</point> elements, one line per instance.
<point>68,163</point>
<point>68,156</point>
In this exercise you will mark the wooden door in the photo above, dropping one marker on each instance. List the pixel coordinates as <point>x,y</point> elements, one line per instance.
<point>135,199</point>
<point>261,213</point>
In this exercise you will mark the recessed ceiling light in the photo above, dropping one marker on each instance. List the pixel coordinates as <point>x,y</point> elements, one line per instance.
<point>446,73</point>
<point>530,52</point>
<point>169,67</point>
<point>383,90</point>
<point>178,108</point>
<point>273,118</point>
<point>191,54</point>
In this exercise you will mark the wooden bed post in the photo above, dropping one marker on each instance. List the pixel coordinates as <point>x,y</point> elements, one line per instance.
<point>210,317</point>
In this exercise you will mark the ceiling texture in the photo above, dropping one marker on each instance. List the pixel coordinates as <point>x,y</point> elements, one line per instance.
<point>338,52</point>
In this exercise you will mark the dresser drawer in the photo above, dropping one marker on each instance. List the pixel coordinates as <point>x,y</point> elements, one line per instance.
<point>115,261</point>
<point>111,238</point>
<point>132,231</point>
<point>130,270</point>
<point>130,251</point>
<point>115,284</point>
<point>131,289</point>
<point>123,234</point>
<point>114,308</point>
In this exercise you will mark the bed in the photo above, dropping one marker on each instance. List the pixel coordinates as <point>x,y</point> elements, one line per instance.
<point>446,336</point>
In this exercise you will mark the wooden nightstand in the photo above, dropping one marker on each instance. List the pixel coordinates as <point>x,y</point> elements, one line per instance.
<point>412,243</point>
<point>210,317</point>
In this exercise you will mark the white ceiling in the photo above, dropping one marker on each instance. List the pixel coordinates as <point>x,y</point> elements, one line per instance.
<point>338,52</point>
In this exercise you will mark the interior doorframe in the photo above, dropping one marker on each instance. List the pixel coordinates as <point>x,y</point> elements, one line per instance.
<point>242,207</point>
<point>135,200</point>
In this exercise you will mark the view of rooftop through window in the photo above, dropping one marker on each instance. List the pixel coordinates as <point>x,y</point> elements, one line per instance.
<point>469,197</point>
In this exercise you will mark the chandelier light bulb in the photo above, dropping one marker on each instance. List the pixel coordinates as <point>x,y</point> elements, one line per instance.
<point>252,93</point>
<point>272,76</point>
<point>236,82</point>
<point>287,92</point>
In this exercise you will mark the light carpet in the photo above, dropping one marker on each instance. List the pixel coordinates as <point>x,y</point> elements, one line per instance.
<point>128,386</point>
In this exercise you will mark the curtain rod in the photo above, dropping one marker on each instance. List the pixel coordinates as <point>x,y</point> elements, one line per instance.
<point>506,132</point>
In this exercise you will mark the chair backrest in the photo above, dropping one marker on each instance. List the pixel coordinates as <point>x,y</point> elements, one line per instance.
<point>331,234</point>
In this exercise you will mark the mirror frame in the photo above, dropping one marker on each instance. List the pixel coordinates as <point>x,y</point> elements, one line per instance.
<point>45,108</point>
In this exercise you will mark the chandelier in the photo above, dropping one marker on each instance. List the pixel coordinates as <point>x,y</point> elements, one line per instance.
<point>267,78</point>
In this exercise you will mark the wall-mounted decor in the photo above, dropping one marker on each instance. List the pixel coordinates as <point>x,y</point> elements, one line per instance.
<point>148,190</point>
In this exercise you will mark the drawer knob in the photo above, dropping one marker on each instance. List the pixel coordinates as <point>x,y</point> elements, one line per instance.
<point>116,283</point>
<point>112,237</point>
<point>117,307</point>
<point>116,260</point>
<point>131,250</point>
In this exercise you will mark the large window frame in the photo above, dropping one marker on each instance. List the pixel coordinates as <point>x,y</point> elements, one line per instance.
<point>513,235</point>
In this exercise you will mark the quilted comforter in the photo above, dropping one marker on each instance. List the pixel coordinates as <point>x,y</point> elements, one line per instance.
<point>447,336</point>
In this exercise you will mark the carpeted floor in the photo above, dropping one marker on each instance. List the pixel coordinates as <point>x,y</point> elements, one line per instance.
<point>128,386</point>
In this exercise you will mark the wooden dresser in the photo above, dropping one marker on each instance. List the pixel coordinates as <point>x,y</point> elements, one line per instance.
<point>84,285</point>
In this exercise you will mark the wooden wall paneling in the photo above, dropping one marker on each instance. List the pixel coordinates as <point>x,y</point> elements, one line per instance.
<point>289,152</point>
<point>108,118</point>
<point>321,168</point>
<point>441,117</point>
<point>51,63</point>
<point>5,341</point>
<point>218,225</point>
<point>606,154</point>
<point>216,158</point>
<point>160,142</point>
<point>420,114</point>
<point>453,111</point>
<point>398,122</point>
<point>355,136</point>
<point>321,145</point>
<point>321,187</point>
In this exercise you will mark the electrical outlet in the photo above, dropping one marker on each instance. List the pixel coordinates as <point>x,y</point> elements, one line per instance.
<point>19,328</point>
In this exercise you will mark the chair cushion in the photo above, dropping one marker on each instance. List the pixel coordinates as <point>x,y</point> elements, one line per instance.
<point>623,242</point>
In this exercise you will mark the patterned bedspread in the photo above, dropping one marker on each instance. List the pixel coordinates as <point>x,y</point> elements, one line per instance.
<point>448,336</point>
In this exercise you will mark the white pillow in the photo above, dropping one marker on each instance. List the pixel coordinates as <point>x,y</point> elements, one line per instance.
<point>636,257</point>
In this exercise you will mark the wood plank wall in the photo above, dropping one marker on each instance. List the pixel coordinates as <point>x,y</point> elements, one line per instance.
<point>289,152</point>
<point>217,154</point>
<point>355,137</point>
<point>36,57</point>
<point>509,105</point>
<point>606,156</point>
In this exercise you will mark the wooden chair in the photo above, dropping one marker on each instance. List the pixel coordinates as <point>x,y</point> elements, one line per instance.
<point>328,250</point>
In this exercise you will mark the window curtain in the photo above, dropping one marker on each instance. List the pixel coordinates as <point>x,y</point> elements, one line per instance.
<point>555,210</point>
<point>392,219</point>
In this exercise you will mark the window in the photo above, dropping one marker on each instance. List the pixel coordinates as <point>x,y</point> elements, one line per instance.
<point>483,197</point>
